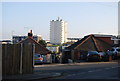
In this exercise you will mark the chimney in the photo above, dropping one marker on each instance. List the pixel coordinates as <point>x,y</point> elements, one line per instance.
<point>30,34</point>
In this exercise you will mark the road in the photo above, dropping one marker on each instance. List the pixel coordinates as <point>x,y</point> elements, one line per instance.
<point>89,70</point>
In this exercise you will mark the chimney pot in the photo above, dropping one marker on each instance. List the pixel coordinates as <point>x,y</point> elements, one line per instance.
<point>30,31</point>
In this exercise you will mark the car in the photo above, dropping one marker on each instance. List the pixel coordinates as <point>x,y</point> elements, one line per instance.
<point>93,56</point>
<point>115,52</point>
<point>38,59</point>
<point>104,56</point>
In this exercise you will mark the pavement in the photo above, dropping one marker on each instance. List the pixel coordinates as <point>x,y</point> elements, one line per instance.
<point>42,75</point>
<point>82,63</point>
<point>34,76</point>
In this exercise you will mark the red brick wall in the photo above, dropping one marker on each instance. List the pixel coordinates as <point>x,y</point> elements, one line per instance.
<point>76,55</point>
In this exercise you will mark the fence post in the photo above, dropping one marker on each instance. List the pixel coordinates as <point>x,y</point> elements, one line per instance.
<point>33,53</point>
<point>0,61</point>
<point>21,58</point>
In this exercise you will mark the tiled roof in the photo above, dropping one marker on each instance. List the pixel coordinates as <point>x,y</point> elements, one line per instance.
<point>77,43</point>
<point>102,35</point>
<point>38,47</point>
<point>90,43</point>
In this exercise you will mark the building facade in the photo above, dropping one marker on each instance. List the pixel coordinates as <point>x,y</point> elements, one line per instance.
<point>5,42</point>
<point>73,39</point>
<point>16,39</point>
<point>58,31</point>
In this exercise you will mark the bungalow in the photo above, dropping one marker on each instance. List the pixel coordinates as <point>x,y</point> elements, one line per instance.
<point>88,43</point>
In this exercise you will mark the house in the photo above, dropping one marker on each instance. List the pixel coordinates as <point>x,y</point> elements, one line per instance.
<point>53,49</point>
<point>113,40</point>
<point>5,42</point>
<point>118,40</point>
<point>106,38</point>
<point>16,39</point>
<point>88,43</point>
<point>73,39</point>
<point>39,49</point>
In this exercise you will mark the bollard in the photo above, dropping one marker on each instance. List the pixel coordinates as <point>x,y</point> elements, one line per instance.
<point>110,58</point>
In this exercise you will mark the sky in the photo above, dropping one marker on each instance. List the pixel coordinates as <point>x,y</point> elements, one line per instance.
<point>83,18</point>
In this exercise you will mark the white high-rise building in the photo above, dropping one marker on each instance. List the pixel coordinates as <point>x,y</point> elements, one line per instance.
<point>58,31</point>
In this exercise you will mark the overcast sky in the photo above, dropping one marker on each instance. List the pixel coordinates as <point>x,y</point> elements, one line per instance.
<point>83,18</point>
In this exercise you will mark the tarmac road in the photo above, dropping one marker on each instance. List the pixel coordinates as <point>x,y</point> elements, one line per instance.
<point>87,70</point>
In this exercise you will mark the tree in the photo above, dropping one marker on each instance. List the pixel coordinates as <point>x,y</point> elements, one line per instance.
<point>42,42</point>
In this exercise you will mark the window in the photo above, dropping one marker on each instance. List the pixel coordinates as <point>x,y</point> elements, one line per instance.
<point>38,55</point>
<point>112,49</point>
<point>118,50</point>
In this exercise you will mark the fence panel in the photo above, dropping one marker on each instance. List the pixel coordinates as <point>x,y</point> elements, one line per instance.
<point>27,58</point>
<point>16,58</point>
<point>11,59</point>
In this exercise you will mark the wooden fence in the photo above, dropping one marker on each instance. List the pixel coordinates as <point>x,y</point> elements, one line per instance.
<point>17,59</point>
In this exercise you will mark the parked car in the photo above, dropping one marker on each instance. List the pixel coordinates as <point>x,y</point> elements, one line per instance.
<point>93,56</point>
<point>104,56</point>
<point>115,52</point>
<point>38,59</point>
